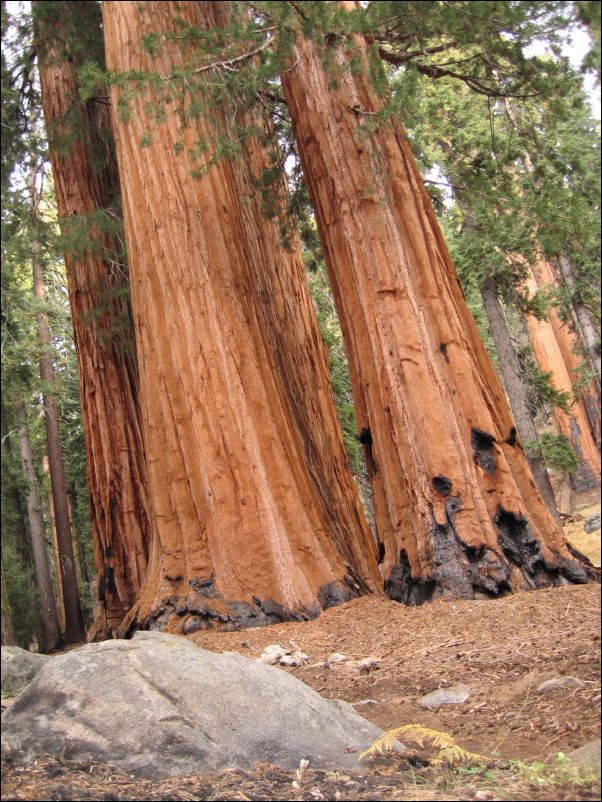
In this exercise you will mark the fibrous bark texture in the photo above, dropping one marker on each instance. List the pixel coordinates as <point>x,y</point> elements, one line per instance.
<point>257,516</point>
<point>455,503</point>
<point>551,347</point>
<point>86,183</point>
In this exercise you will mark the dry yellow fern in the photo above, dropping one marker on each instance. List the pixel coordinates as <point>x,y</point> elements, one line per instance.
<point>449,751</point>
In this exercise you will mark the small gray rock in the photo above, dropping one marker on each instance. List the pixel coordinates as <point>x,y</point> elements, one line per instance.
<point>19,667</point>
<point>336,657</point>
<point>293,660</point>
<point>160,706</point>
<point>368,664</point>
<point>456,695</point>
<point>587,755</point>
<point>560,682</point>
<point>592,523</point>
<point>272,654</point>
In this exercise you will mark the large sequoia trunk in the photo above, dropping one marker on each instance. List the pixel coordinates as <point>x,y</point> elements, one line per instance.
<point>257,516</point>
<point>455,503</point>
<point>547,339</point>
<point>86,184</point>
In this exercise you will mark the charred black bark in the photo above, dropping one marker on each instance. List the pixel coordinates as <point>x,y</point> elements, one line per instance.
<point>483,450</point>
<point>511,439</point>
<point>442,485</point>
<point>205,608</point>
<point>524,550</point>
<point>459,570</point>
<point>365,438</point>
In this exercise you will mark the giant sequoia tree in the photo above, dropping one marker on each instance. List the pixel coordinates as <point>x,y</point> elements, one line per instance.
<point>221,494</point>
<point>455,503</point>
<point>257,517</point>
<point>87,194</point>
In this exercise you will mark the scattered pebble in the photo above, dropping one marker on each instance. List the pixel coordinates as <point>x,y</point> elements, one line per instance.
<point>587,755</point>
<point>275,654</point>
<point>592,523</point>
<point>336,657</point>
<point>368,664</point>
<point>456,695</point>
<point>272,654</point>
<point>560,682</point>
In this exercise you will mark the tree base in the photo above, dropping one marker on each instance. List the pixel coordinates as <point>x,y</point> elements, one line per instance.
<point>205,608</point>
<point>463,572</point>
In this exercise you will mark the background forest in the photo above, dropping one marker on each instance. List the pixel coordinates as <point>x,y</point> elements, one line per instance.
<point>509,149</point>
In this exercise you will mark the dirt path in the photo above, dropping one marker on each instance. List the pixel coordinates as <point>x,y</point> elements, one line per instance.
<point>502,650</point>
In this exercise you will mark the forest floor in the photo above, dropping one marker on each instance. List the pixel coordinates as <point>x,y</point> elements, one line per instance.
<point>501,650</point>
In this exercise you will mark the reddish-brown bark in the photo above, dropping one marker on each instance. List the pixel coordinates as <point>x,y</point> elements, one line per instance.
<point>257,516</point>
<point>455,502</point>
<point>85,181</point>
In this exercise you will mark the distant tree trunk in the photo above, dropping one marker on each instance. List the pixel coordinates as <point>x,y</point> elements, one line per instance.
<point>589,397</point>
<point>87,193</point>
<point>516,392</point>
<point>588,330</point>
<point>571,346</point>
<point>585,325</point>
<point>249,528</point>
<point>551,359</point>
<point>66,573</point>
<point>509,368</point>
<point>455,502</point>
<point>7,632</point>
<point>50,633</point>
<point>14,496</point>
<point>57,556</point>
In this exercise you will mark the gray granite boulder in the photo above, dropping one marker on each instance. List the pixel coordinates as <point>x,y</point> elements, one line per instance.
<point>19,667</point>
<point>159,706</point>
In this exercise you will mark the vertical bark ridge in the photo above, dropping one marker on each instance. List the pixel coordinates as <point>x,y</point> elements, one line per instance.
<point>85,181</point>
<point>258,518</point>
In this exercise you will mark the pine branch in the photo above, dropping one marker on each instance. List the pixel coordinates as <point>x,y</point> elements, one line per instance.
<point>435,72</point>
<point>227,63</point>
